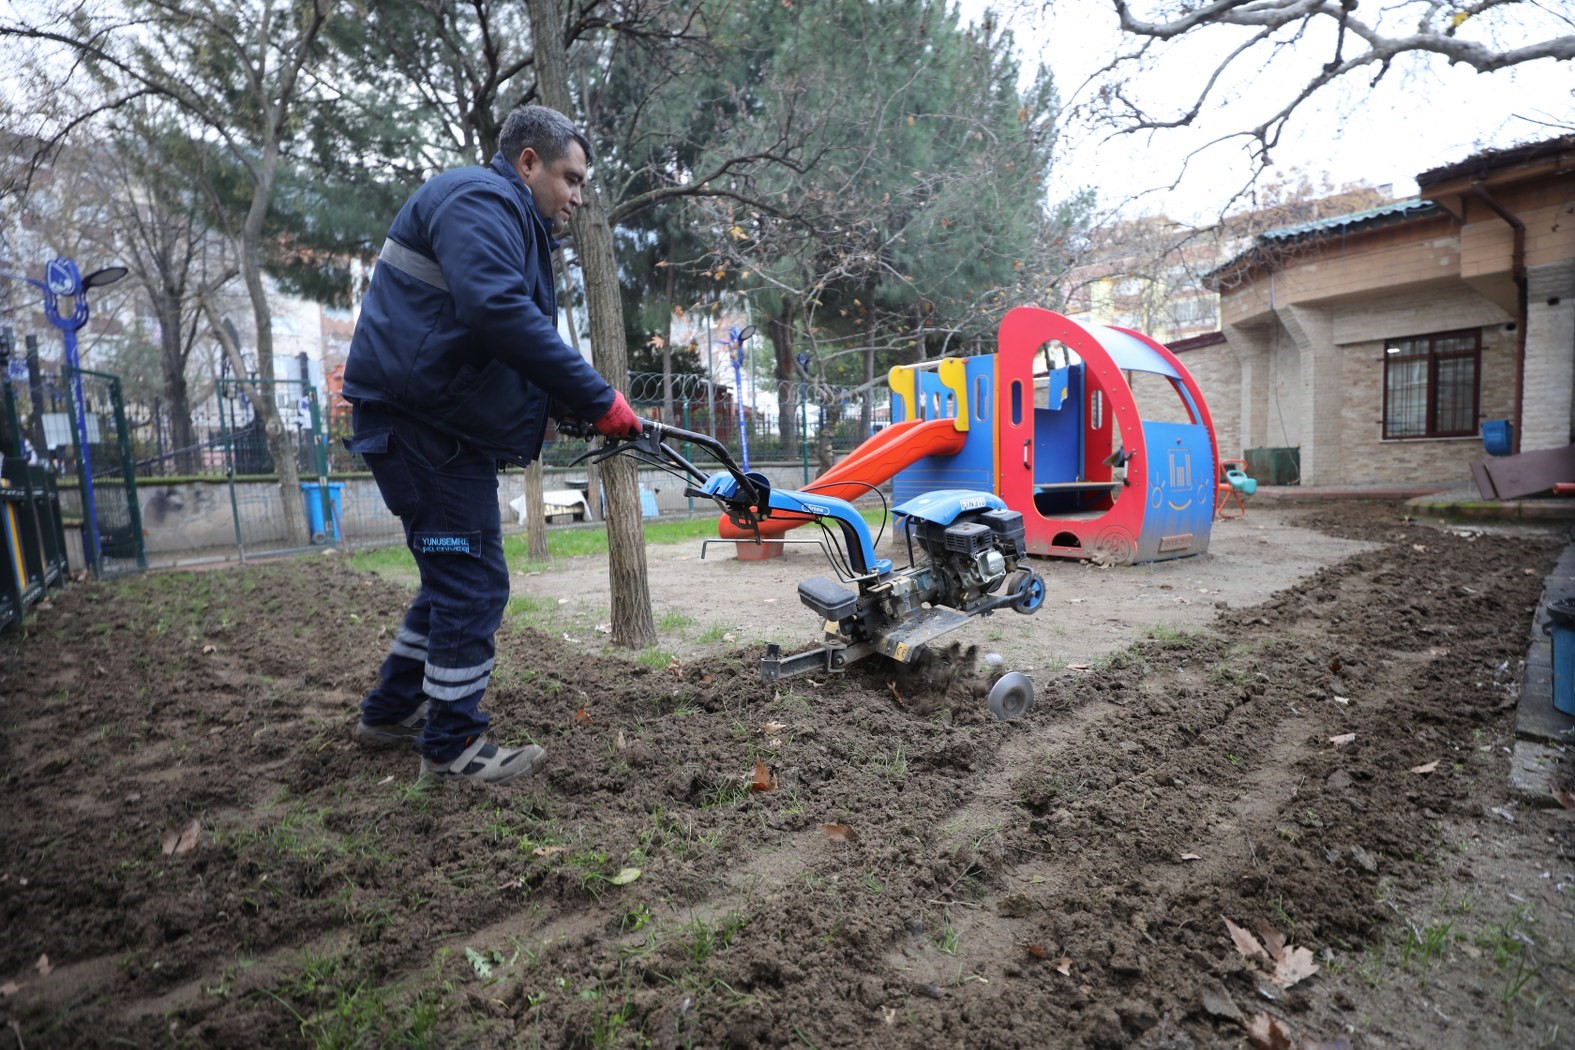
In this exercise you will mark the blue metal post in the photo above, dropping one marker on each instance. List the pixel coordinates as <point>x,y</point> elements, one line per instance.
<point>62,279</point>
<point>90,536</point>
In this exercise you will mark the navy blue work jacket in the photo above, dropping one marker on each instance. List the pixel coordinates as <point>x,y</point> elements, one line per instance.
<point>458,325</point>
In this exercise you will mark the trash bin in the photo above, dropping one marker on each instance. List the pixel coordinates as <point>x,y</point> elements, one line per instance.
<point>1498,436</point>
<point>312,494</point>
<point>1561,625</point>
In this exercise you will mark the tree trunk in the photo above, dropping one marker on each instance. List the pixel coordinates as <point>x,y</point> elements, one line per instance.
<point>172,366</point>
<point>632,623</point>
<point>266,405</point>
<point>535,514</point>
<point>667,351</point>
<point>780,331</point>
<point>867,408</point>
<point>593,485</point>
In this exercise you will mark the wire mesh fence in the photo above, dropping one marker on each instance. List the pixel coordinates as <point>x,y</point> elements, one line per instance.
<point>208,486</point>
<point>103,515</point>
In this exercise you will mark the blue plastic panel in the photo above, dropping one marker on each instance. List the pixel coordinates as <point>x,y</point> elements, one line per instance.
<point>1130,354</point>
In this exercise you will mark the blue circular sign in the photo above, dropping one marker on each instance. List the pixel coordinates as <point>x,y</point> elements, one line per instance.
<point>62,277</point>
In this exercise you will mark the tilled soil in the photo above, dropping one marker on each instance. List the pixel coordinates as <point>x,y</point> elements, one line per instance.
<point>194,853</point>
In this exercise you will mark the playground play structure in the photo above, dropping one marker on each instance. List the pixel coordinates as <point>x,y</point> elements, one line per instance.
<point>1053,423</point>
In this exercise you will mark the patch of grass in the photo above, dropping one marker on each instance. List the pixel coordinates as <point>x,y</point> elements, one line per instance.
<point>715,633</point>
<point>946,935</point>
<point>1425,945</point>
<point>670,834</point>
<point>394,561</point>
<point>529,606</point>
<point>795,701</point>
<point>674,622</point>
<point>336,1006</point>
<point>1223,673</point>
<point>891,767</point>
<point>1163,633</point>
<point>730,792</point>
<point>654,658</point>
<point>704,939</point>
<point>417,794</point>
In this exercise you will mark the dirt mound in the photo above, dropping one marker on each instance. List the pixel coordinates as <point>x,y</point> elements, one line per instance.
<point>196,854</point>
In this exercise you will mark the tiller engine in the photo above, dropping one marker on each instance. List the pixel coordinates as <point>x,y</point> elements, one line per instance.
<point>974,563</point>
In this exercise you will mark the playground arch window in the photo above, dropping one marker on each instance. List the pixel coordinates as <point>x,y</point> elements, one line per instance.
<point>1049,370</point>
<point>1432,385</point>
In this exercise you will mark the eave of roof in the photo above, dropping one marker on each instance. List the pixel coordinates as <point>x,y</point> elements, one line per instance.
<point>1489,161</point>
<point>1383,215</point>
<point>1389,214</point>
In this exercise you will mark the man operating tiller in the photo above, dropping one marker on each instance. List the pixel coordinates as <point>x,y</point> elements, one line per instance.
<point>455,361</point>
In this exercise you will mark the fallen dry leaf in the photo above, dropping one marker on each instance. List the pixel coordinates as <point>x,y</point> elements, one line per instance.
<point>1293,967</point>
<point>43,967</point>
<point>604,628</point>
<point>1273,940</point>
<point>583,714</point>
<point>1190,856</point>
<point>1079,667</point>
<point>1036,950</point>
<point>548,851</point>
<point>10,988</point>
<point>1424,768</point>
<point>1245,942</point>
<point>1064,967</point>
<point>182,841</point>
<point>1565,799</point>
<point>772,728</point>
<point>839,833</point>
<point>1342,739</point>
<point>210,648</point>
<point>894,694</point>
<point>1269,1033</point>
<point>764,779</point>
<point>675,667</point>
<point>1290,964</point>
<point>620,743</point>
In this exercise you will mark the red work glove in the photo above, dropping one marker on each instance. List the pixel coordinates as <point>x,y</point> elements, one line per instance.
<point>620,420</point>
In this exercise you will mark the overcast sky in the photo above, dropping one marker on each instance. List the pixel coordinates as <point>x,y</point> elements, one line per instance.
<point>1420,116</point>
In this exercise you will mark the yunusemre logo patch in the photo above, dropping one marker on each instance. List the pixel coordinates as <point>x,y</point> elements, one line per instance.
<point>446,542</point>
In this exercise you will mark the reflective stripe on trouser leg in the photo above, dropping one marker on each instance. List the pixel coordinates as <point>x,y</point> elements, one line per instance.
<point>399,691</point>
<point>455,683</point>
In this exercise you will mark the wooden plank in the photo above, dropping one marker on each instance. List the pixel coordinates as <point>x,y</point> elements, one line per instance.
<point>1526,474</point>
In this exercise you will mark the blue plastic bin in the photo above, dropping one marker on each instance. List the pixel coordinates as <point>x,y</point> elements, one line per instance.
<point>312,494</point>
<point>1498,437</point>
<point>1561,625</point>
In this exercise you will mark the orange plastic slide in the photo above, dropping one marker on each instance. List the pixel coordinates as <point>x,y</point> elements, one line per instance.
<point>872,463</point>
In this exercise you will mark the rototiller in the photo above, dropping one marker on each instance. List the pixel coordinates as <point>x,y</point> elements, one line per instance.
<point>975,565</point>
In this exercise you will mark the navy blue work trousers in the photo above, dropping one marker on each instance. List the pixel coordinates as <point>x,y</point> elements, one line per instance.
<point>446,494</point>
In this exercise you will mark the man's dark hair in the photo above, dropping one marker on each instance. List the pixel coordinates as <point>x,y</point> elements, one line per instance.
<point>544,130</point>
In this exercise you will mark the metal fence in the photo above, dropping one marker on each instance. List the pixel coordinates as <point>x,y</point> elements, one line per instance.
<point>778,421</point>
<point>219,496</point>
<point>32,532</point>
<point>103,515</point>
